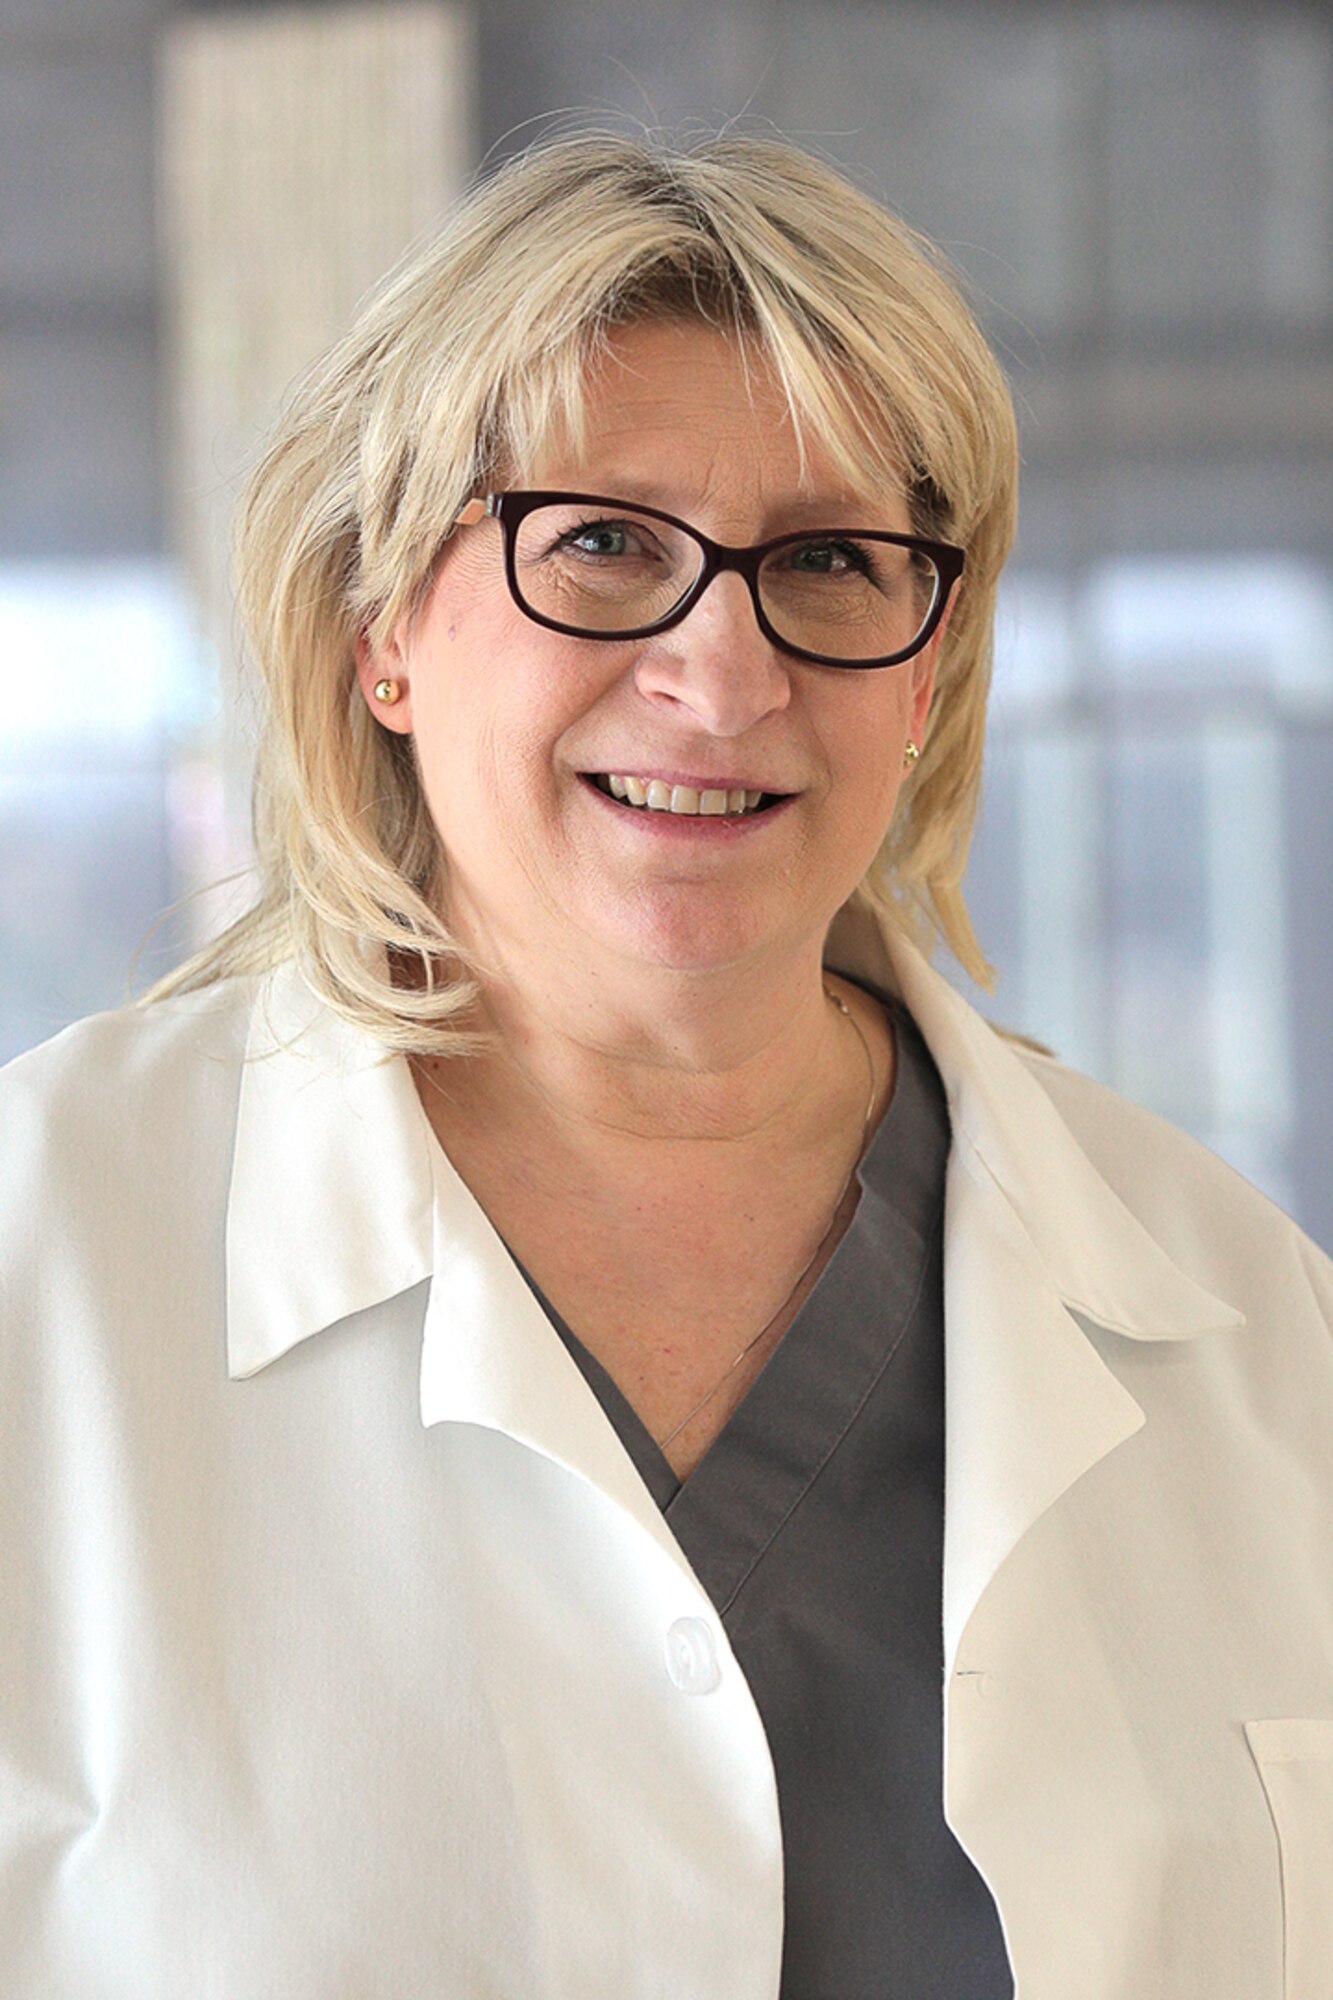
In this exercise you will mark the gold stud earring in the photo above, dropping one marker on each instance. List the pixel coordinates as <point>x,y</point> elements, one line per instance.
<point>387,692</point>
<point>910,754</point>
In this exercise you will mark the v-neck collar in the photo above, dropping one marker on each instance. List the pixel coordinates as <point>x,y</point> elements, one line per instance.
<point>770,1451</point>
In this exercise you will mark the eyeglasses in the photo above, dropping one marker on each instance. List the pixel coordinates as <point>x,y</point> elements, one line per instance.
<point>607,569</point>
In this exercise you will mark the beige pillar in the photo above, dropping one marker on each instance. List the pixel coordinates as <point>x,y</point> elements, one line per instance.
<point>301,152</point>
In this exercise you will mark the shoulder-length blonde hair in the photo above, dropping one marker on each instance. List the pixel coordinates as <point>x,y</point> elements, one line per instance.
<point>466,361</point>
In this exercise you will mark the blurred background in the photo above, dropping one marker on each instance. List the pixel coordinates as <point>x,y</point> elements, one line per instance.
<point>1140,201</point>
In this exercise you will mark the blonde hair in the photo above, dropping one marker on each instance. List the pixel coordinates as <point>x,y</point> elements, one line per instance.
<point>468,360</point>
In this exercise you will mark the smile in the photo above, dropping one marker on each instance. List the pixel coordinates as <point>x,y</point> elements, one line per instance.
<point>684,801</point>
<point>677,813</point>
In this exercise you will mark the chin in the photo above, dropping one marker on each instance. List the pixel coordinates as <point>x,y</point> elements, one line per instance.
<point>690,940</point>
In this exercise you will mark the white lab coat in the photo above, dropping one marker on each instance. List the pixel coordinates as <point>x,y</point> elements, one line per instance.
<point>364,1667</point>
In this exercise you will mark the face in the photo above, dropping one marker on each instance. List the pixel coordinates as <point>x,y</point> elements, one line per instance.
<point>513,723</point>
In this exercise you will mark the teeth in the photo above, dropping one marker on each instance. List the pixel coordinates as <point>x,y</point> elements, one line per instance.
<point>659,796</point>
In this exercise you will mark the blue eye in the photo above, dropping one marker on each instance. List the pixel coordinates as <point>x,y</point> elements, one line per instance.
<point>596,538</point>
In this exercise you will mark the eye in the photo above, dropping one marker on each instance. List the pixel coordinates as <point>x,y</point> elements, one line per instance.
<point>831,558</point>
<point>599,539</point>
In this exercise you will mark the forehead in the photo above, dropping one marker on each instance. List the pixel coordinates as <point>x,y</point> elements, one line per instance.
<point>683,415</point>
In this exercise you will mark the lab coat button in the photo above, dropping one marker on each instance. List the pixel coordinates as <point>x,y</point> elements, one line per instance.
<point>692,1656</point>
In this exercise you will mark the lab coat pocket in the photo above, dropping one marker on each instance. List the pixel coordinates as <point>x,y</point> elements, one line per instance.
<point>1295,1759</point>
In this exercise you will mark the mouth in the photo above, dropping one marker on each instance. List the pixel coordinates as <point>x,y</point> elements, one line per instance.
<point>657,795</point>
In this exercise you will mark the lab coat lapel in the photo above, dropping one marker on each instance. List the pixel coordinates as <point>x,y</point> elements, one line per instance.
<point>491,1357</point>
<point>329,1206</point>
<point>1035,1240</point>
<point>337,1177</point>
<point>341,1197</point>
<point>1030,1405</point>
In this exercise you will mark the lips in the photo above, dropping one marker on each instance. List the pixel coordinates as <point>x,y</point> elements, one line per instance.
<point>708,816</point>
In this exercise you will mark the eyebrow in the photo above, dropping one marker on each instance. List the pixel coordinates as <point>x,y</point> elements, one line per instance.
<point>799,513</point>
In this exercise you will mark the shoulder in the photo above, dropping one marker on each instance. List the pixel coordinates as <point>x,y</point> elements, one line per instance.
<point>1127,1141</point>
<point>129,1051</point>
<point>1213,1221</point>
<point>120,1099</point>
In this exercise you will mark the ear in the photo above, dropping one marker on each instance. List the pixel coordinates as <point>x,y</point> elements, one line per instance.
<point>923,678</point>
<point>385,663</point>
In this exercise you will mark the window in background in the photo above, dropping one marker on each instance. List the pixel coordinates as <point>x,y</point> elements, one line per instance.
<point>106,691</point>
<point>1131,870</point>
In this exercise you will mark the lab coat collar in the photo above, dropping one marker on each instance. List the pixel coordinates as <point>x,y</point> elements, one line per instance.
<point>341,1198</point>
<point>335,1171</point>
<point>1035,1238</point>
<point>329,1209</point>
<point>1099,1258</point>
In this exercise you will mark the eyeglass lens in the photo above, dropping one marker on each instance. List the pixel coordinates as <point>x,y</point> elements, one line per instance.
<point>847,596</point>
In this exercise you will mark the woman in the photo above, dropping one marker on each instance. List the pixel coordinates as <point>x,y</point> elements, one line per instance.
<point>581,1423</point>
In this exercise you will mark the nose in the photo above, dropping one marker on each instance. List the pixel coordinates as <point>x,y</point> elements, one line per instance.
<point>717,663</point>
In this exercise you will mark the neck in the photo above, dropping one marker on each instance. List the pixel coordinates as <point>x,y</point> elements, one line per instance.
<point>668,1070</point>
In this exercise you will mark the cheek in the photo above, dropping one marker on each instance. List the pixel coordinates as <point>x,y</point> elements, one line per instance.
<point>454,685</point>
<point>487,748</point>
<point>867,753</point>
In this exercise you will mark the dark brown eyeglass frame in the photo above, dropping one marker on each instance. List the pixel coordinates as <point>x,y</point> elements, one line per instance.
<point>510,509</point>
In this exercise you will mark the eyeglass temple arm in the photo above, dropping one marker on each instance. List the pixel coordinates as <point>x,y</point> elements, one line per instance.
<point>467,517</point>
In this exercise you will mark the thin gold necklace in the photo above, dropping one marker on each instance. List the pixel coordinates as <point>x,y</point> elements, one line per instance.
<point>843,1008</point>
<point>841,1004</point>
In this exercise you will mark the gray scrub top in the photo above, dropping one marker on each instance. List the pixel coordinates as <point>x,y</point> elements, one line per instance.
<point>815,1522</point>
